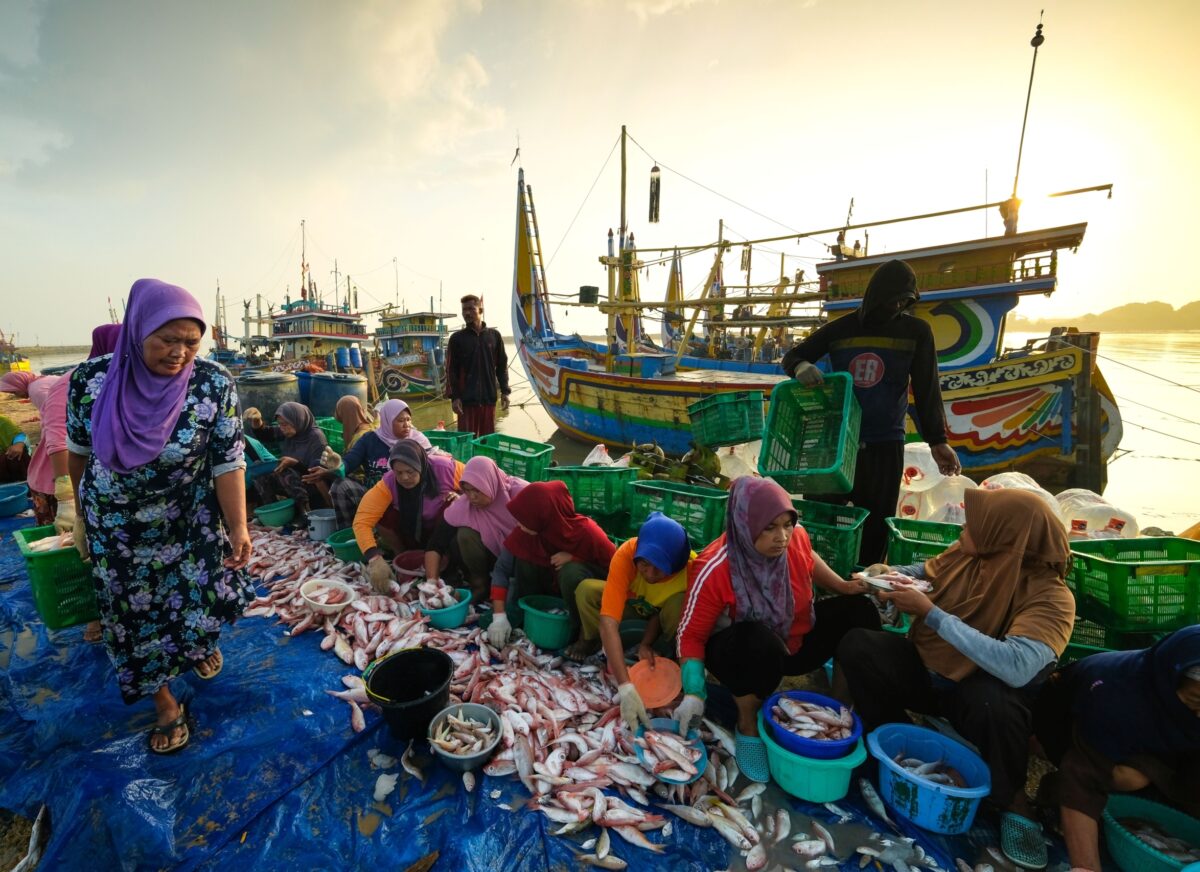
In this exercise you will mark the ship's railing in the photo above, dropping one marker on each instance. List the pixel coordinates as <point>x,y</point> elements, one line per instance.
<point>961,276</point>
<point>325,328</point>
<point>399,329</point>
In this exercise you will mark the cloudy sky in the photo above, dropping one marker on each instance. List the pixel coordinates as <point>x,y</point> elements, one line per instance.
<point>187,140</point>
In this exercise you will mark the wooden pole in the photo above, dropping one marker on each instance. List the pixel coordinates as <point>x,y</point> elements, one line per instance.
<point>369,366</point>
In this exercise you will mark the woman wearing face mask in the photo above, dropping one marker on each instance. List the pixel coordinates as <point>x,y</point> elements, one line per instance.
<point>552,547</point>
<point>156,461</point>
<point>303,445</point>
<point>365,461</point>
<point>1121,722</point>
<point>749,616</point>
<point>407,504</point>
<point>478,523</point>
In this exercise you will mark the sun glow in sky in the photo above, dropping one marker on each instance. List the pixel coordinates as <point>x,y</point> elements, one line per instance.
<point>187,141</point>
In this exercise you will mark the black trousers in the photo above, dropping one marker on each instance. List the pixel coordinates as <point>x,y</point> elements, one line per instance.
<point>876,489</point>
<point>886,676</point>
<point>750,660</point>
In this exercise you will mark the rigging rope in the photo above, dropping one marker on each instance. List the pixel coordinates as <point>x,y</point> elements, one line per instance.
<point>584,203</point>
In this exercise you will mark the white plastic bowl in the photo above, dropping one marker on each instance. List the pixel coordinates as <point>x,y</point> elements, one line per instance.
<point>314,586</point>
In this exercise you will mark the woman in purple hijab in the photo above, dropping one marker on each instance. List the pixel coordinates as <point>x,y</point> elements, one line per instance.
<point>104,340</point>
<point>750,616</point>
<point>156,461</point>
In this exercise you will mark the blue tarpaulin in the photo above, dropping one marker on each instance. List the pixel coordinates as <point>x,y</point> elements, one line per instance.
<point>274,777</point>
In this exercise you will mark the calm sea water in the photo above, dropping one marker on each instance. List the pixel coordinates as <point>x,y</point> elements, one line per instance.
<point>1155,376</point>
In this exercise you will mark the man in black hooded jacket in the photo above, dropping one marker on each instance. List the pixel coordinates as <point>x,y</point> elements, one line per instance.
<point>883,347</point>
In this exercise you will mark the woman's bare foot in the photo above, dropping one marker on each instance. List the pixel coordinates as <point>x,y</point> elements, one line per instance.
<point>92,632</point>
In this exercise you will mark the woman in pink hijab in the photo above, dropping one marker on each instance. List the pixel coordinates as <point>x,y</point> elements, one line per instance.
<point>480,521</point>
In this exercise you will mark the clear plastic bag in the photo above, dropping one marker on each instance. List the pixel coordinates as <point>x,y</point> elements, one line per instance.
<point>598,456</point>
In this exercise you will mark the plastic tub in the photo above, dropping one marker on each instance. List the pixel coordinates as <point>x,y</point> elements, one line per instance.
<point>411,686</point>
<point>326,388</point>
<point>808,778</point>
<point>276,514</point>
<point>1130,852</point>
<point>935,807</point>
<point>669,725</point>
<point>452,616</point>
<point>466,762</point>
<point>821,750</point>
<point>13,499</point>
<point>547,631</point>
<point>309,588</point>
<point>322,523</point>
<point>345,546</point>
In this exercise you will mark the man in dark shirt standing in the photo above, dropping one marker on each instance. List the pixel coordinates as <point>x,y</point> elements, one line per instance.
<point>476,364</point>
<point>883,347</point>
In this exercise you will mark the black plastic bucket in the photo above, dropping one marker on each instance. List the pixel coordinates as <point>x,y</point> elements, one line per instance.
<point>411,686</point>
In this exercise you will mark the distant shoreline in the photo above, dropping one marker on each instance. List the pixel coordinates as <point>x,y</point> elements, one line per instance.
<point>54,349</point>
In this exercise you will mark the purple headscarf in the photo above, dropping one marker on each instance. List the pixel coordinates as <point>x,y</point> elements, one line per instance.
<point>137,409</point>
<point>104,340</point>
<point>761,585</point>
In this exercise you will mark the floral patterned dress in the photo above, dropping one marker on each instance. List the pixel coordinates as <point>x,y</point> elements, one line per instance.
<point>155,535</point>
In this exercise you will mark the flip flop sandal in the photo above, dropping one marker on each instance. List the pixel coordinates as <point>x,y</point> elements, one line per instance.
<point>214,673</point>
<point>751,756</point>
<point>167,729</point>
<point>1022,841</point>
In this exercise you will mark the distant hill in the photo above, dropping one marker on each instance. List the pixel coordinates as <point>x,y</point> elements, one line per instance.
<point>1130,318</point>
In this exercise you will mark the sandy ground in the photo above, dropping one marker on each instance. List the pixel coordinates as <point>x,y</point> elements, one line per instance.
<point>23,413</point>
<point>14,838</point>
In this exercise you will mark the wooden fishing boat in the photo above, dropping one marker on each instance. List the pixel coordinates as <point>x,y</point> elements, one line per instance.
<point>1042,410</point>
<point>411,353</point>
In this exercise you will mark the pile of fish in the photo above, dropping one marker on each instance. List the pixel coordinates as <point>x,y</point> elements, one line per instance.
<point>463,736</point>
<point>667,755</point>
<point>1151,833</point>
<point>560,728</point>
<point>810,720</point>
<point>936,771</point>
<point>436,594</point>
<point>52,542</point>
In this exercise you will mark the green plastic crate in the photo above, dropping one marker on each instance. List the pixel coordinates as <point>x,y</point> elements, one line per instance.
<point>63,592</point>
<point>597,490</point>
<point>1101,638</point>
<point>910,541</point>
<point>520,457</point>
<point>701,510</point>
<point>1141,585</point>
<point>810,444</point>
<point>457,443</point>
<point>835,532</point>
<point>728,418</point>
<point>332,428</point>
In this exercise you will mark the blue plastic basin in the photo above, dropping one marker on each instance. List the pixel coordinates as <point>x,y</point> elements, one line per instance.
<point>821,750</point>
<point>939,808</point>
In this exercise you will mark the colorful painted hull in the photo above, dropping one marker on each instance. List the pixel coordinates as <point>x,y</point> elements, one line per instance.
<point>1015,413</point>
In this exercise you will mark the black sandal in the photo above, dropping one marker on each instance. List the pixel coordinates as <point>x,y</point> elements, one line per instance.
<point>167,729</point>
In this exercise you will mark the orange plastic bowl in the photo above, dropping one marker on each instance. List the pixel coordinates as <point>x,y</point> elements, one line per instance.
<point>658,686</point>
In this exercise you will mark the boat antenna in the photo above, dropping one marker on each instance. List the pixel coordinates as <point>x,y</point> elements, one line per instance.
<point>1010,214</point>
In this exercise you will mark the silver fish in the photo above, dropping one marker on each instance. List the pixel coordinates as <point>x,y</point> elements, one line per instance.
<point>603,845</point>
<point>411,767</point>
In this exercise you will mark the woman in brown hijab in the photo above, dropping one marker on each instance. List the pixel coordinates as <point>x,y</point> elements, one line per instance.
<point>982,642</point>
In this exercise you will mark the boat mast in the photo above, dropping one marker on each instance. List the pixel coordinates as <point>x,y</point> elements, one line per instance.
<point>1009,209</point>
<point>303,264</point>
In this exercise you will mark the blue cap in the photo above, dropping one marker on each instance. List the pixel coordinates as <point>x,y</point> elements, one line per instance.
<point>663,542</point>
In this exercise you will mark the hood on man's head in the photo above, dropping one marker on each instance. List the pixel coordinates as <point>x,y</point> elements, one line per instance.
<point>894,280</point>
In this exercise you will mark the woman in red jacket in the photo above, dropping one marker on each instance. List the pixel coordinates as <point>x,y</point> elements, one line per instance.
<point>750,615</point>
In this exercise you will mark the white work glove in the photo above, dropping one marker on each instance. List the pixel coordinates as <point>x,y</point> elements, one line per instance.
<point>330,459</point>
<point>380,574</point>
<point>499,630</point>
<point>807,374</point>
<point>633,710</point>
<point>253,418</point>
<point>64,516</point>
<point>80,534</point>
<point>689,713</point>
